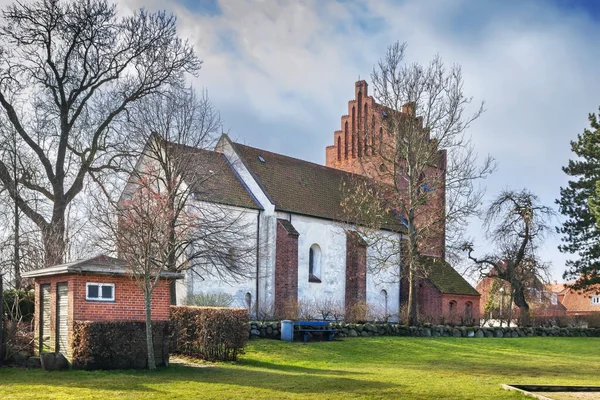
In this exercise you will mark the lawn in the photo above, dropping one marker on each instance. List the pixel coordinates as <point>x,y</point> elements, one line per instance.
<point>383,367</point>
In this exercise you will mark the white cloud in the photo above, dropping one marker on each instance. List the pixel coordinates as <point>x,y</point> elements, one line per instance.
<point>282,71</point>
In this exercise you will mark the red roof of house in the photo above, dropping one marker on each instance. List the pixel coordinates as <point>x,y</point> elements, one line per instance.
<point>579,302</point>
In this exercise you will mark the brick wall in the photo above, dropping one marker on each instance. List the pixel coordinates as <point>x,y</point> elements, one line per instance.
<point>356,271</point>
<point>286,270</point>
<point>356,149</point>
<point>434,306</point>
<point>128,304</point>
<point>459,313</point>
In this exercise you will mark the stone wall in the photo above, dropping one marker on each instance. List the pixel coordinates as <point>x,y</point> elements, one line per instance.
<point>272,330</point>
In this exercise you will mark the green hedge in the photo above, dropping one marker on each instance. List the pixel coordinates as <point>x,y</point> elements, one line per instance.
<point>118,345</point>
<point>210,333</point>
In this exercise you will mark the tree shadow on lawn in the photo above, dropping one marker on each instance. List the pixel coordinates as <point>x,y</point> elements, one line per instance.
<point>295,368</point>
<point>178,379</point>
<point>507,359</point>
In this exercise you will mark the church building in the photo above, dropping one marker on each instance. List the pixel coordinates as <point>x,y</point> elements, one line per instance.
<point>306,250</point>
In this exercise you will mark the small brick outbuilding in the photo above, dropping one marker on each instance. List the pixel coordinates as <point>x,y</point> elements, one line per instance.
<point>96,289</point>
<point>444,296</point>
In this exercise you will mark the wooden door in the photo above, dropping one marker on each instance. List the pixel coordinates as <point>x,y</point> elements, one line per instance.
<point>62,313</point>
<point>45,342</point>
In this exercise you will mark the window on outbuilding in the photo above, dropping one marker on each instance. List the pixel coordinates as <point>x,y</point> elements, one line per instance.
<point>100,291</point>
<point>596,300</point>
<point>314,264</point>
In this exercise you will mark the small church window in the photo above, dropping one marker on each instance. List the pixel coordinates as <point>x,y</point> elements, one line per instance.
<point>314,264</point>
<point>232,259</point>
<point>384,296</point>
<point>248,301</point>
<point>452,306</point>
<point>468,309</point>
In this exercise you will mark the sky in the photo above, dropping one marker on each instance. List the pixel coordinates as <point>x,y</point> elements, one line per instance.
<point>281,74</point>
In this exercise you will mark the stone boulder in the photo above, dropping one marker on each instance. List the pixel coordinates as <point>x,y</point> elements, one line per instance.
<point>54,361</point>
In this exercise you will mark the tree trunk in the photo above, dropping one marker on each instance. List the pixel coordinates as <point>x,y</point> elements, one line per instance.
<point>519,298</point>
<point>53,238</point>
<point>413,318</point>
<point>149,341</point>
<point>17,248</point>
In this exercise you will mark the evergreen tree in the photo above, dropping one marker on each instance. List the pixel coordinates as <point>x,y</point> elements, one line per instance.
<point>581,232</point>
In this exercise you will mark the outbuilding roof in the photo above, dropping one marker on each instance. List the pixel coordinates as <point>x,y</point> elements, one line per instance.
<point>98,265</point>
<point>446,278</point>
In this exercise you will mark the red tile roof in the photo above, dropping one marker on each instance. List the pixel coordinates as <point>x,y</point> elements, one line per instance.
<point>301,187</point>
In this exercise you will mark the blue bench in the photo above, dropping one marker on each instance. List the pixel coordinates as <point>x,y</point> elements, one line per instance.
<point>306,327</point>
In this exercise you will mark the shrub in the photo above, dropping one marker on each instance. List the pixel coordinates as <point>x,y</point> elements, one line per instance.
<point>220,299</point>
<point>210,333</point>
<point>358,312</point>
<point>18,339</point>
<point>19,304</point>
<point>118,345</point>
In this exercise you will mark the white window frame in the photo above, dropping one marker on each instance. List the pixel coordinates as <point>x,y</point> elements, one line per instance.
<point>595,300</point>
<point>100,285</point>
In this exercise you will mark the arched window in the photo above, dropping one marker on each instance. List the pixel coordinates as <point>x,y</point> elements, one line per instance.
<point>384,298</point>
<point>232,259</point>
<point>380,138</point>
<point>248,299</point>
<point>452,306</point>
<point>373,134</point>
<point>314,264</point>
<point>339,148</point>
<point>468,310</point>
<point>346,140</point>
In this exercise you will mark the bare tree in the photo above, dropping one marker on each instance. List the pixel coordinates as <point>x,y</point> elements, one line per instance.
<point>423,163</point>
<point>182,128</point>
<point>19,242</point>
<point>68,73</point>
<point>517,224</point>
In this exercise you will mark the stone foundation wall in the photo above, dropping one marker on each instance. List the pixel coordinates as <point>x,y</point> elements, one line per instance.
<point>272,330</point>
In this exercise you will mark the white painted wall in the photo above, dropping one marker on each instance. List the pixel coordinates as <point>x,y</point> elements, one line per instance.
<point>329,235</point>
<point>331,238</point>
<point>207,279</point>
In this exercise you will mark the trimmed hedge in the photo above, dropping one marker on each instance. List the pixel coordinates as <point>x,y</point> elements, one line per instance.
<point>118,345</point>
<point>210,333</point>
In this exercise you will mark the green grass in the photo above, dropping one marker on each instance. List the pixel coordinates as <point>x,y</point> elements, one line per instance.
<point>384,367</point>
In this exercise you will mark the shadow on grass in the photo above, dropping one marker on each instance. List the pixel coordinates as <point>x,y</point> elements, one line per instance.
<point>175,379</point>
<point>295,368</point>
<point>526,357</point>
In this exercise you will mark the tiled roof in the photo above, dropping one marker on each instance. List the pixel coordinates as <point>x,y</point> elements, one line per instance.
<point>579,302</point>
<point>212,179</point>
<point>446,278</point>
<point>558,288</point>
<point>289,228</point>
<point>299,186</point>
